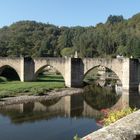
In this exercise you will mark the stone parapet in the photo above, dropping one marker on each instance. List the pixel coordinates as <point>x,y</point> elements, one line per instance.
<point>127,128</point>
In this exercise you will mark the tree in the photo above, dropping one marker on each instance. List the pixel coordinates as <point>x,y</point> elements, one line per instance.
<point>67,52</point>
<point>30,38</point>
<point>114,19</point>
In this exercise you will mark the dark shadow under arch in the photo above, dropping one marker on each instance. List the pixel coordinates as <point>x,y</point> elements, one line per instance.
<point>9,72</point>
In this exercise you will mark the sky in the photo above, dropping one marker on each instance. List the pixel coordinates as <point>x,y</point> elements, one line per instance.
<point>65,12</point>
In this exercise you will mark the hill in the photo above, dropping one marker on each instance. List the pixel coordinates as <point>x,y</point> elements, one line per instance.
<point>30,38</point>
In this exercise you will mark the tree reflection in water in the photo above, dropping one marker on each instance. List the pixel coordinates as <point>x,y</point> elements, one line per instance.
<point>99,97</point>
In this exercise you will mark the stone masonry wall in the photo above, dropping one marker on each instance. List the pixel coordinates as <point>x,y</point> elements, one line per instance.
<point>127,128</point>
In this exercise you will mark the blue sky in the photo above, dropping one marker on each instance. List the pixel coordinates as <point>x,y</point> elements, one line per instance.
<point>65,12</point>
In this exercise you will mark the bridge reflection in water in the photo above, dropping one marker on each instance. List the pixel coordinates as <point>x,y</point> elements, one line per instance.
<point>74,106</point>
<point>68,106</point>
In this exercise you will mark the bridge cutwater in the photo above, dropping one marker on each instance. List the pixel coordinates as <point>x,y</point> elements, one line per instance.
<point>73,70</point>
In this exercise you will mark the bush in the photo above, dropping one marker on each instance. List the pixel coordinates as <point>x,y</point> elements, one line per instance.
<point>113,116</point>
<point>3,79</point>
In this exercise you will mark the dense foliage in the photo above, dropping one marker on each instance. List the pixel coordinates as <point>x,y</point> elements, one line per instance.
<point>30,38</point>
<point>113,116</point>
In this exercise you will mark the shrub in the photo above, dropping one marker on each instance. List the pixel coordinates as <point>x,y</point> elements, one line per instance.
<point>3,79</point>
<point>113,116</point>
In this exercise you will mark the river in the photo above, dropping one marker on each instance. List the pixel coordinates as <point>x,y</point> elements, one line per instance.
<point>61,118</point>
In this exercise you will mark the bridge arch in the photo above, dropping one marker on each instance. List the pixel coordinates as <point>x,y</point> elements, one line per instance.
<point>119,78</point>
<point>39,70</point>
<point>114,65</point>
<point>56,64</point>
<point>5,69</point>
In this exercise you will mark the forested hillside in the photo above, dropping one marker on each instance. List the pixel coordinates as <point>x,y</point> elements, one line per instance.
<point>30,38</point>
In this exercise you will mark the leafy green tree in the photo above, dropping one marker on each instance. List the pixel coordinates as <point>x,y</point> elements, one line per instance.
<point>114,19</point>
<point>67,52</point>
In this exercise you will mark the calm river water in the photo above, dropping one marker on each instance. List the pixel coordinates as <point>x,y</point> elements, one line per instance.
<point>60,118</point>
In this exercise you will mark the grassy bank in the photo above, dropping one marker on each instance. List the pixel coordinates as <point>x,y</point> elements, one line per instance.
<point>42,85</point>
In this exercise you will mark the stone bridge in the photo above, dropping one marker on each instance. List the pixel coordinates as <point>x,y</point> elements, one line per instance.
<point>73,70</point>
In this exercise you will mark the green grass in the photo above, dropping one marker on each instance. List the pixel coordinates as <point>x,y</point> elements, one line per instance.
<point>41,86</point>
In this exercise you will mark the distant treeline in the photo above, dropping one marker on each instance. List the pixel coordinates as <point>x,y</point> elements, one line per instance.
<point>117,36</point>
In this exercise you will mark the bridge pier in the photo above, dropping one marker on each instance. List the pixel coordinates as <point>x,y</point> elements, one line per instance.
<point>74,72</point>
<point>27,69</point>
<point>131,74</point>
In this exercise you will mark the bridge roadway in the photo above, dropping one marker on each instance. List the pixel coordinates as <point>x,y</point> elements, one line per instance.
<point>73,70</point>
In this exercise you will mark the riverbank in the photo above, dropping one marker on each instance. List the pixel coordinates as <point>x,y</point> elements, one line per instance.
<point>58,93</point>
<point>43,85</point>
<point>127,128</point>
